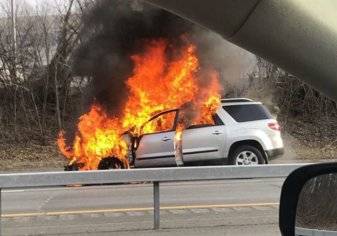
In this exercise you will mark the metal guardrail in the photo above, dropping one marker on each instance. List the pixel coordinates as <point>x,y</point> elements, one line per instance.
<point>154,175</point>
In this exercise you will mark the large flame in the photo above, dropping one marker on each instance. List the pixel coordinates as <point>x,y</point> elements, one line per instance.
<point>98,136</point>
<point>158,83</point>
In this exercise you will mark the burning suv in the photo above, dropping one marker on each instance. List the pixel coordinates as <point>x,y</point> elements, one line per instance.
<point>243,132</point>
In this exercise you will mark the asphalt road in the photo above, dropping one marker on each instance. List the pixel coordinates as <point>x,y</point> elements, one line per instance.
<point>234,207</point>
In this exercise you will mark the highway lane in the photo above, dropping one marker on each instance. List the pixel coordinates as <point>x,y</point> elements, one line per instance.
<point>140,195</point>
<point>186,206</point>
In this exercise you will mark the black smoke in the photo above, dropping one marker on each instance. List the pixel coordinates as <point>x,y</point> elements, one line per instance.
<point>112,30</point>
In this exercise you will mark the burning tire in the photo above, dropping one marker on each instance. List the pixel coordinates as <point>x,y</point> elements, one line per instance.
<point>73,167</point>
<point>111,163</point>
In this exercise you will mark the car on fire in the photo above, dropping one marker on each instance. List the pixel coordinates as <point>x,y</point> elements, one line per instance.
<point>243,132</point>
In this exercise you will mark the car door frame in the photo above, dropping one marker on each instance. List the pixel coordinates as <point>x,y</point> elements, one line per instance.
<point>202,155</point>
<point>154,160</point>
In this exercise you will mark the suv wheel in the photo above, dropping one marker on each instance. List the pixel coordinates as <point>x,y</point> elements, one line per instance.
<point>111,163</point>
<point>246,155</point>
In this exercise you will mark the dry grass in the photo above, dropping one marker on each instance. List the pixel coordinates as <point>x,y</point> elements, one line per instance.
<point>313,138</point>
<point>20,157</point>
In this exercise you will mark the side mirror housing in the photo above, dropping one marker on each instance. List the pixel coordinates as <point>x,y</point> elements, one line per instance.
<point>308,204</point>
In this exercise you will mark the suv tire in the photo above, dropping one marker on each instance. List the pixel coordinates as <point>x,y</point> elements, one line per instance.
<point>111,163</point>
<point>246,155</point>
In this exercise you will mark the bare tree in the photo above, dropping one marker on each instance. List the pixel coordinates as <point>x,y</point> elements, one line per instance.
<point>35,83</point>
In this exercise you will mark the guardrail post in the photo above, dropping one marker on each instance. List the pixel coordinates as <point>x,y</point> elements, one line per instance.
<point>156,206</point>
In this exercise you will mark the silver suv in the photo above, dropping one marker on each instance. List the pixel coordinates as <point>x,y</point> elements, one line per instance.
<point>243,133</point>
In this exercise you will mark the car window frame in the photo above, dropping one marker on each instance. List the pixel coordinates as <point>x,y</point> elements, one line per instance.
<point>176,121</point>
<point>159,114</point>
<point>207,125</point>
<point>265,109</point>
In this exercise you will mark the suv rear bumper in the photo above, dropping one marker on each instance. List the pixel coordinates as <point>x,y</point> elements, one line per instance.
<point>274,153</point>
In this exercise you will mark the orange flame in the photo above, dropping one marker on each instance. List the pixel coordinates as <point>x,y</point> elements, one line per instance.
<point>98,136</point>
<point>158,83</point>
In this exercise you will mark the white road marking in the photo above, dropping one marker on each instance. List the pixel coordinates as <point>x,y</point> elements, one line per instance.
<point>13,191</point>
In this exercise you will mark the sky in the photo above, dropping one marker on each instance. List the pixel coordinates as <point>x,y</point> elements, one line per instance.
<point>31,5</point>
<point>35,3</point>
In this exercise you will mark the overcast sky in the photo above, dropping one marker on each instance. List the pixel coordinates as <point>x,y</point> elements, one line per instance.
<point>35,3</point>
<point>32,6</point>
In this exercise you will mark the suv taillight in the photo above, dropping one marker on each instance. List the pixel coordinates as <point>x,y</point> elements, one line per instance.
<point>274,126</point>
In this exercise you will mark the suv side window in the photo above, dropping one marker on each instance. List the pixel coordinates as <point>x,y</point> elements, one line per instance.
<point>248,112</point>
<point>216,121</point>
<point>163,122</point>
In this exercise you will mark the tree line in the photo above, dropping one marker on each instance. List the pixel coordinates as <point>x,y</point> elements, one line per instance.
<point>39,93</point>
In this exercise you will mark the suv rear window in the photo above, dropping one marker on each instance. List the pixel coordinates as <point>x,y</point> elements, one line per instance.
<point>248,112</point>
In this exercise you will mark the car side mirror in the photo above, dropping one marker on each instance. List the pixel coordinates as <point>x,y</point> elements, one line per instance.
<point>308,204</point>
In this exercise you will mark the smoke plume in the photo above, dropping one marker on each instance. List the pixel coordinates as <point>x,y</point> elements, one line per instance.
<point>111,32</point>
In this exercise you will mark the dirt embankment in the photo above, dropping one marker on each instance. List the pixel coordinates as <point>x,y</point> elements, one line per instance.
<point>310,139</point>
<point>30,156</point>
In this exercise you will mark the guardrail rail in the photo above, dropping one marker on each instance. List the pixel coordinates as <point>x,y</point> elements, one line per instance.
<point>153,175</point>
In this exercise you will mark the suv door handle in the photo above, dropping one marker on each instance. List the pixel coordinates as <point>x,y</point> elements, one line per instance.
<point>216,132</point>
<point>165,139</point>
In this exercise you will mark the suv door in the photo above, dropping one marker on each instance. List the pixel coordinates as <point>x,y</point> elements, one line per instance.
<point>156,145</point>
<point>204,142</point>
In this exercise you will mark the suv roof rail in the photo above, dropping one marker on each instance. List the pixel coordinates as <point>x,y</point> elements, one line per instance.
<point>225,100</point>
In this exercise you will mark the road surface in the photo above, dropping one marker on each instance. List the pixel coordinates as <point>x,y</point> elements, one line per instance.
<point>232,207</point>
